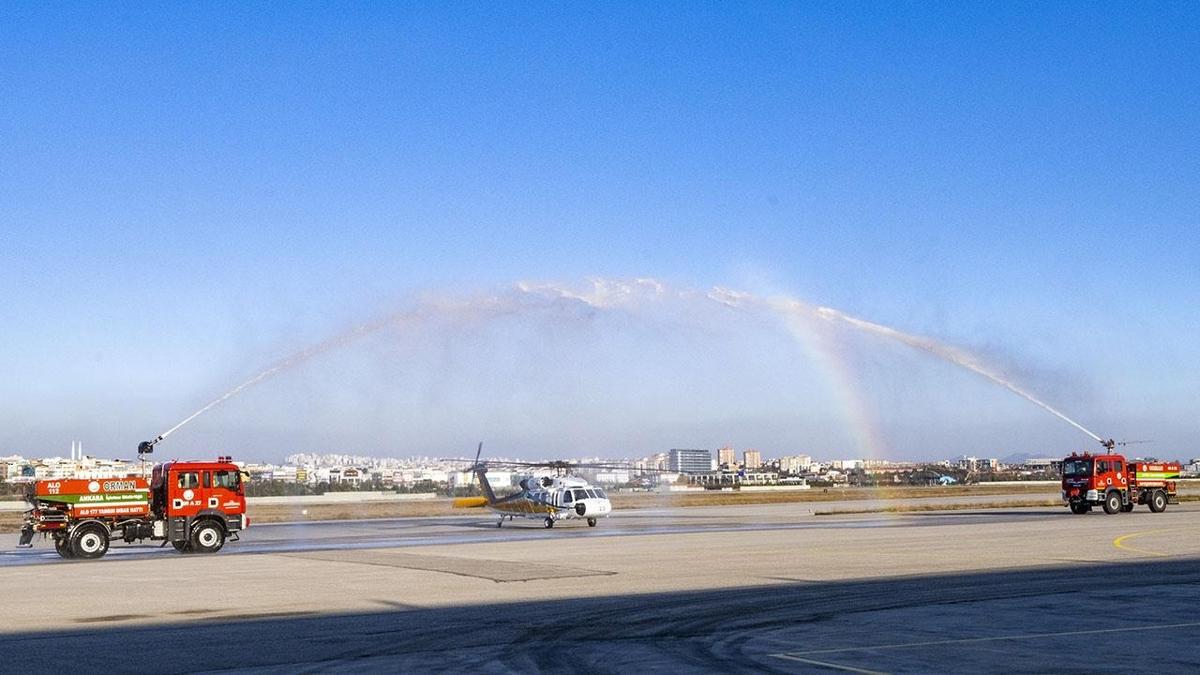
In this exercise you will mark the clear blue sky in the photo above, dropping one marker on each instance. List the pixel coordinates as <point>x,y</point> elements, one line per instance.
<point>188,194</point>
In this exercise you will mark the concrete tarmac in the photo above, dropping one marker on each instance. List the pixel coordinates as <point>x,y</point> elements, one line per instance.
<point>761,588</point>
<point>480,526</point>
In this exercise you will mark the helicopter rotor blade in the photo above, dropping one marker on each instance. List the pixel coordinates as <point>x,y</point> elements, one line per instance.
<point>583,465</point>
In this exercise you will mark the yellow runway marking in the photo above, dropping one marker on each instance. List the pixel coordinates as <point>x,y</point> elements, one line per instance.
<point>1119,542</point>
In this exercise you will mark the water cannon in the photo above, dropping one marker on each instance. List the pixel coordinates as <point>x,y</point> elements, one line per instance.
<point>147,447</point>
<point>1112,445</point>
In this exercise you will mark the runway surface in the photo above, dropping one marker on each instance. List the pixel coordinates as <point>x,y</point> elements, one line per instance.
<point>409,532</point>
<point>480,526</point>
<point>761,588</point>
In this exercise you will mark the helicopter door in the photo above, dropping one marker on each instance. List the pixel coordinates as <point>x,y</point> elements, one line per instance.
<point>566,497</point>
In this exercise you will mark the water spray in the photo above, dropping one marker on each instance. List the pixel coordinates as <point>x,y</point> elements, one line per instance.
<point>613,295</point>
<point>492,305</point>
<point>146,447</point>
<point>953,355</point>
<point>958,357</point>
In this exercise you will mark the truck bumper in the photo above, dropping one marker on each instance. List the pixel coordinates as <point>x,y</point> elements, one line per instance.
<point>1075,497</point>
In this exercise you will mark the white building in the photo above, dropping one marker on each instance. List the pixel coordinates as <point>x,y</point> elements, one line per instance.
<point>614,477</point>
<point>433,475</point>
<point>497,479</point>
<point>795,464</point>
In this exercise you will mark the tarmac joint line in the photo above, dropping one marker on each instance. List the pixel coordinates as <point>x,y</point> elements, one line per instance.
<point>798,656</point>
<point>826,664</point>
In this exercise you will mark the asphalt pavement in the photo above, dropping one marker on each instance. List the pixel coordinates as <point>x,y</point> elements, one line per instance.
<point>754,588</point>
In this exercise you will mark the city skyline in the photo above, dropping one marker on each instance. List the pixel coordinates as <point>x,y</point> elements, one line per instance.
<point>77,452</point>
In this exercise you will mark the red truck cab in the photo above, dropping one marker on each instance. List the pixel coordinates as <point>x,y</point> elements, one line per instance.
<point>184,494</point>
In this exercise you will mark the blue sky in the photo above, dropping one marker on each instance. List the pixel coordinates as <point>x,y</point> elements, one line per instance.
<point>188,195</point>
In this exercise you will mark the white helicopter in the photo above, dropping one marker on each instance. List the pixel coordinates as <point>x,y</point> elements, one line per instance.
<point>547,498</point>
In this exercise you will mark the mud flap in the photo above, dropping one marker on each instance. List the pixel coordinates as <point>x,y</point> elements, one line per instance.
<point>26,540</point>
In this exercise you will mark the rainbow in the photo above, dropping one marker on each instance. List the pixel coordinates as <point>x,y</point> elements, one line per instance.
<point>818,344</point>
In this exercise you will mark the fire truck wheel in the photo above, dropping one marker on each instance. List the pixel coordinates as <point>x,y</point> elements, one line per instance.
<point>62,547</point>
<point>1127,508</point>
<point>1079,508</point>
<point>89,541</point>
<point>1112,502</point>
<point>182,546</point>
<point>1158,501</point>
<point>207,537</point>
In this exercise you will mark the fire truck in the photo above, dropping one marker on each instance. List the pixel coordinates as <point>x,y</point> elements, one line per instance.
<point>1116,484</point>
<point>194,506</point>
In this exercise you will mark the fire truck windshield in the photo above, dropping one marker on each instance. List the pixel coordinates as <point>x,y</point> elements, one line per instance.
<point>226,479</point>
<point>1077,468</point>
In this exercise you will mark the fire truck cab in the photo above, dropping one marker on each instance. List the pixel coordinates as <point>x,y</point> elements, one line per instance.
<point>1117,484</point>
<point>201,503</point>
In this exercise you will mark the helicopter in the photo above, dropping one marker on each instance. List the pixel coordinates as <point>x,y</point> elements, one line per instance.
<point>546,498</point>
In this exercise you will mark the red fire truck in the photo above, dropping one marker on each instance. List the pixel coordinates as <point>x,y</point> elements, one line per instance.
<point>196,506</point>
<point>1116,484</point>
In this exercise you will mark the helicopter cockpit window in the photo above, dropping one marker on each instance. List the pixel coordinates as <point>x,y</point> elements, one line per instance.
<point>580,494</point>
<point>591,493</point>
<point>600,494</point>
<point>566,496</point>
